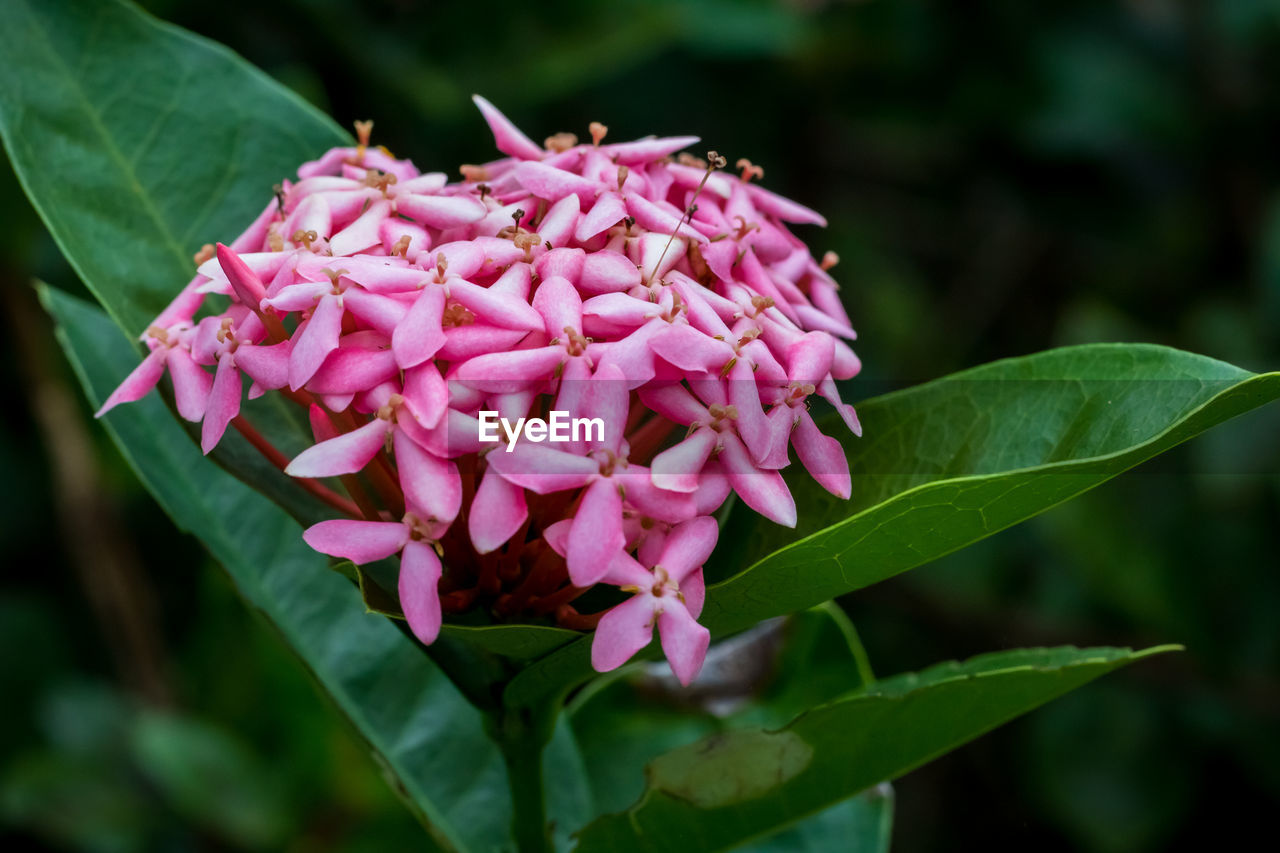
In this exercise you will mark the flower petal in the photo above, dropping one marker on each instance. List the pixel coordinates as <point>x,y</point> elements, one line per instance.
<point>623,631</point>
<point>224,403</point>
<point>688,546</point>
<point>346,454</point>
<point>508,137</point>
<point>358,541</point>
<point>596,534</point>
<point>496,513</point>
<point>432,485</point>
<point>419,588</point>
<point>684,641</point>
<point>312,345</point>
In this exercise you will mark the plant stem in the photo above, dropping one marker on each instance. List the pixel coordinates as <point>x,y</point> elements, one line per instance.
<point>521,740</point>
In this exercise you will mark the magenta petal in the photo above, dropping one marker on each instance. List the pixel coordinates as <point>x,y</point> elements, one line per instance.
<point>139,382</point>
<point>607,212</point>
<point>191,384</point>
<point>346,454</point>
<point>419,336</point>
<point>558,303</point>
<point>496,513</point>
<point>596,534</point>
<point>317,339</point>
<point>419,589</point>
<point>357,541</point>
<point>245,283</point>
<point>506,135</point>
<point>441,211</point>
<point>822,456</point>
<point>431,485</point>
<point>674,401</point>
<point>504,372</point>
<point>660,219</point>
<point>542,469</point>
<point>689,349</point>
<point>554,184</point>
<point>809,359</point>
<point>694,590</point>
<point>753,425</point>
<point>684,641</point>
<point>623,631</point>
<point>376,311</point>
<point>426,394</point>
<point>267,366</point>
<point>661,504</point>
<point>224,403</point>
<point>624,570</point>
<point>362,233</point>
<point>688,546</point>
<point>676,468</point>
<point>764,491</point>
<point>351,370</point>
<point>558,225</point>
<point>501,309</point>
<point>608,272</point>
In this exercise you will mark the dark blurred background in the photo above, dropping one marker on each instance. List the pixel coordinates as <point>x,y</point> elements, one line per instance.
<point>1000,177</point>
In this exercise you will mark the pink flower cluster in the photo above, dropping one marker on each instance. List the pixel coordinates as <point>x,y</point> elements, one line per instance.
<point>657,294</point>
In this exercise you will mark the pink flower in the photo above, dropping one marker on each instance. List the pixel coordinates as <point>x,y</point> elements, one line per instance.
<point>665,300</point>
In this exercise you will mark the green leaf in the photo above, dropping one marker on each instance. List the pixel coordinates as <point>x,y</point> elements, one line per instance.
<point>138,142</point>
<point>945,464</point>
<point>739,785</point>
<point>861,824</point>
<point>432,742</point>
<point>952,461</point>
<point>762,678</point>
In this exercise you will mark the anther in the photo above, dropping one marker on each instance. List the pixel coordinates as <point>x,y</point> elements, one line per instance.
<point>623,173</point>
<point>829,260</point>
<point>306,238</point>
<point>473,173</point>
<point>560,142</point>
<point>363,131</point>
<point>401,246</point>
<point>749,169</point>
<point>206,252</point>
<point>598,132</point>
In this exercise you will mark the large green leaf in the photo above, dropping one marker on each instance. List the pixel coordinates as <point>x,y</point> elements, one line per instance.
<point>950,462</point>
<point>431,740</point>
<point>732,787</point>
<point>763,678</point>
<point>138,142</point>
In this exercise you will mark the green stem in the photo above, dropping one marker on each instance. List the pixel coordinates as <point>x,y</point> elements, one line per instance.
<point>522,737</point>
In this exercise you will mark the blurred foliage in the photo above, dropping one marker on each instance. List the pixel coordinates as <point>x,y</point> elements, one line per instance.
<point>999,177</point>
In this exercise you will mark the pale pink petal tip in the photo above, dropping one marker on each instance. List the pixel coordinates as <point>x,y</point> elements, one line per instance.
<point>509,138</point>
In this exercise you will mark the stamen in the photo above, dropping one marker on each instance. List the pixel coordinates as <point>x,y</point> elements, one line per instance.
<point>401,246</point>
<point>598,132</point>
<point>829,260</point>
<point>749,170</point>
<point>306,238</point>
<point>363,131</point>
<point>623,174</point>
<point>560,142</point>
<point>206,252</point>
<point>472,173</point>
